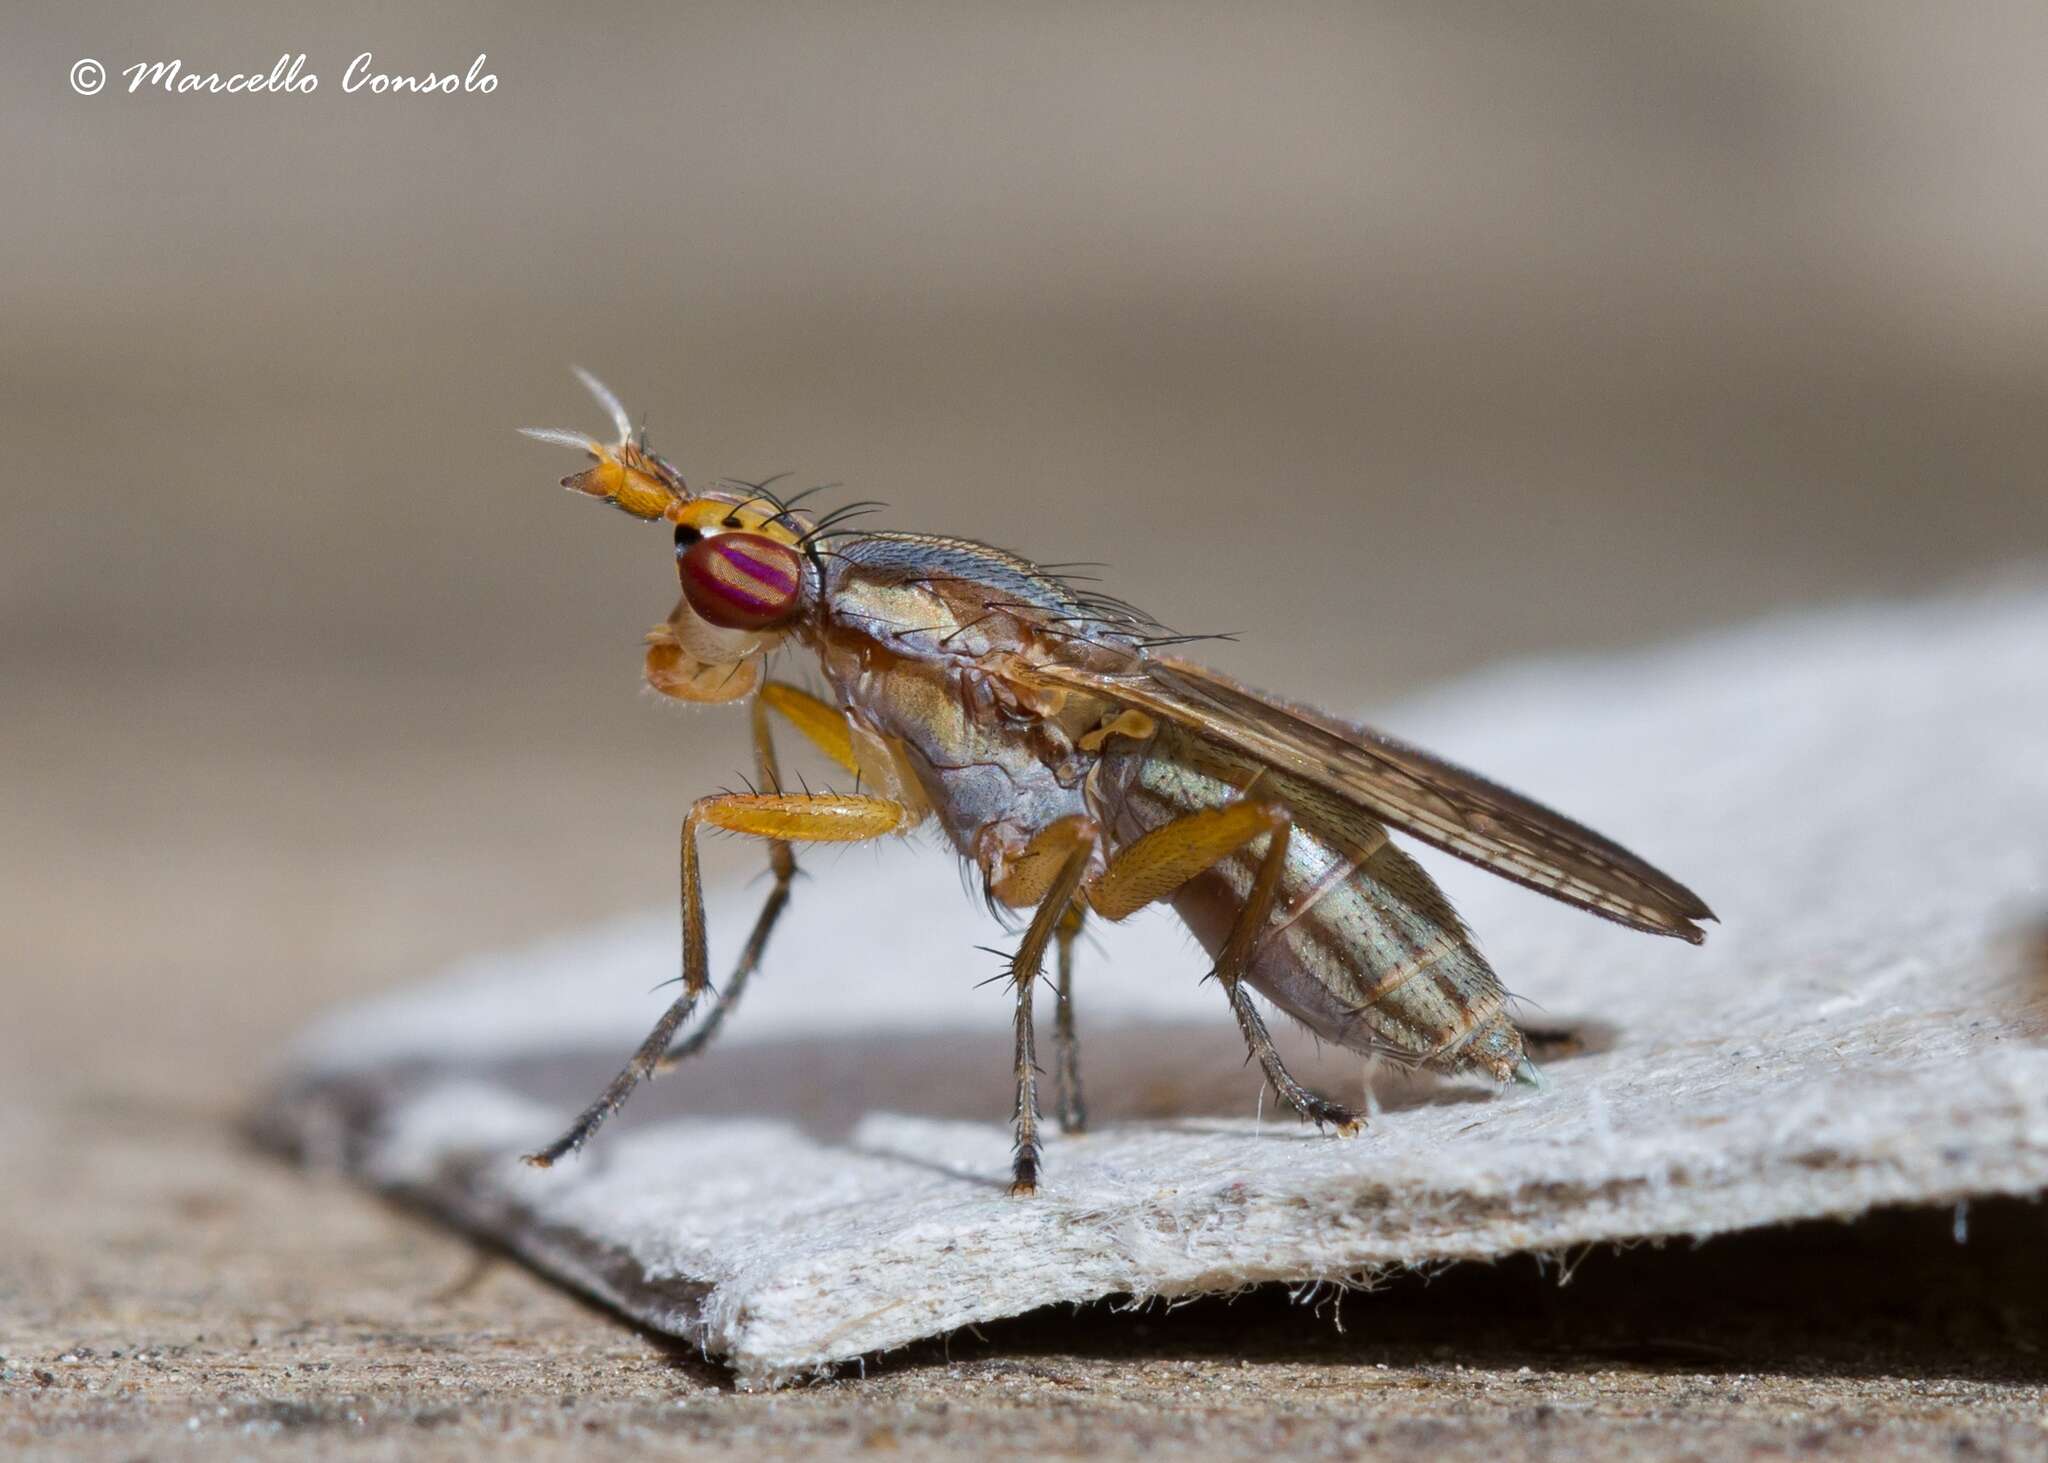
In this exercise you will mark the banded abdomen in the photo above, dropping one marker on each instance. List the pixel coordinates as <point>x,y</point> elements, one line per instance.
<point>1362,947</point>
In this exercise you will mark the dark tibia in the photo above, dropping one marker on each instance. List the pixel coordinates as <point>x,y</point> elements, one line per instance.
<point>1072,1106</point>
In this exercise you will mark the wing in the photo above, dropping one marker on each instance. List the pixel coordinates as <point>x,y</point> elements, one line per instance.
<point>1442,804</point>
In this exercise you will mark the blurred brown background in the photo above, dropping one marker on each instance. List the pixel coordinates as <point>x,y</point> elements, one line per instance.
<point>1398,338</point>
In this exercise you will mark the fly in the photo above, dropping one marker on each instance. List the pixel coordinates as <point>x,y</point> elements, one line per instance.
<point>1085,772</point>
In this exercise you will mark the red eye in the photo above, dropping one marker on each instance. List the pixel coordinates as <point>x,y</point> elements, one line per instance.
<point>740,581</point>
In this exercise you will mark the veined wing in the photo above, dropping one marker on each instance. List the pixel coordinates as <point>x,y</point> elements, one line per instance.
<point>1405,787</point>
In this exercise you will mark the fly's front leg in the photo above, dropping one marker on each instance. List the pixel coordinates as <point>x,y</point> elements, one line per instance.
<point>1048,872</point>
<point>1072,1108</point>
<point>1167,857</point>
<point>774,816</point>
<point>824,726</point>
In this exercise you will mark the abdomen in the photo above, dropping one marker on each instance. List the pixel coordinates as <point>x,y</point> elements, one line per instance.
<point>1361,947</point>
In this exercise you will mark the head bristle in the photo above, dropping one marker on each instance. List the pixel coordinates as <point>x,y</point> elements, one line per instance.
<point>612,405</point>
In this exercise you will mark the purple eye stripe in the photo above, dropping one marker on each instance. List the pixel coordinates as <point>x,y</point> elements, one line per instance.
<point>758,568</point>
<point>782,581</point>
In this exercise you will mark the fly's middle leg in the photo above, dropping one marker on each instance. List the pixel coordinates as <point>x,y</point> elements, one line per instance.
<point>1071,1106</point>
<point>1049,873</point>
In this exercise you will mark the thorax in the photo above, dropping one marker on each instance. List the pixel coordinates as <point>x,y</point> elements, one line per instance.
<point>913,639</point>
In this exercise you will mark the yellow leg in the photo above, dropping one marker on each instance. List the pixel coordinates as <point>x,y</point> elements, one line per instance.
<point>774,816</point>
<point>821,723</point>
<point>1173,853</point>
<point>1162,860</point>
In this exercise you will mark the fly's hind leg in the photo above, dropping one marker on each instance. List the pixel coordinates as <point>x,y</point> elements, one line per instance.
<point>1157,864</point>
<point>1251,920</point>
<point>773,816</point>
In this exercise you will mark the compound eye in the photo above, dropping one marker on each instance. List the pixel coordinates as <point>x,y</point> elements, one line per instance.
<point>740,581</point>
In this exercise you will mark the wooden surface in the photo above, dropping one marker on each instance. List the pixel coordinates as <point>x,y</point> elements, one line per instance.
<point>167,1292</point>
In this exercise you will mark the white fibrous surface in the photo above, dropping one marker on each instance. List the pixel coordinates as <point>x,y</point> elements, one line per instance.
<point>1861,795</point>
